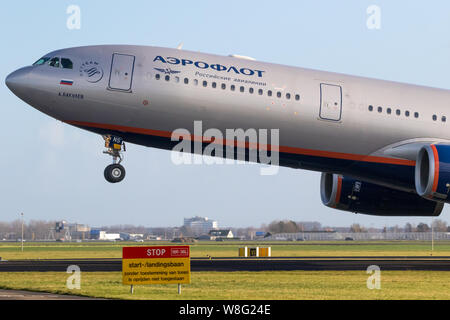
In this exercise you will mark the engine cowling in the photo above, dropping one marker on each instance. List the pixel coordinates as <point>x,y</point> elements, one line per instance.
<point>357,196</point>
<point>432,172</point>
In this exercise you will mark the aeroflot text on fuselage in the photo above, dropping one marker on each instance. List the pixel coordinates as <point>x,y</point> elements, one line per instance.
<point>204,65</point>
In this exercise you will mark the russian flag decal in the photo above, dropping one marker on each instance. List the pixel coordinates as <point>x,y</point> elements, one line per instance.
<point>66,82</point>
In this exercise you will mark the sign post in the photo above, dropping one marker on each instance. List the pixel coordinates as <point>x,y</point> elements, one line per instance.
<point>156,265</point>
<point>22,230</point>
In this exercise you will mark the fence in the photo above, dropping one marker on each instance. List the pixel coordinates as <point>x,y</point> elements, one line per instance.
<point>333,236</point>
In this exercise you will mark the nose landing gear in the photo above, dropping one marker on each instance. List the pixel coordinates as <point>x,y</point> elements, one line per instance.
<point>115,172</point>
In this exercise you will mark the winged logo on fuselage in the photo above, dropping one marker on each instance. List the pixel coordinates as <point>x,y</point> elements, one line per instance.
<point>167,71</point>
<point>92,71</point>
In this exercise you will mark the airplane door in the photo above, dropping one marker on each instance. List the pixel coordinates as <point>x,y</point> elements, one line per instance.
<point>121,76</point>
<point>330,102</point>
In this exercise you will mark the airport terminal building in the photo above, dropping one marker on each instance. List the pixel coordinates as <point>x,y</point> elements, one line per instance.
<point>200,225</point>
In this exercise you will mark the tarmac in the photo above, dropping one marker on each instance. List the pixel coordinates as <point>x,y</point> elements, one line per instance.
<point>243,264</point>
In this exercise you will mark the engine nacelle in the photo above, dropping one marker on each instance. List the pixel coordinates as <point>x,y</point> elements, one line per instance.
<point>357,196</point>
<point>432,173</point>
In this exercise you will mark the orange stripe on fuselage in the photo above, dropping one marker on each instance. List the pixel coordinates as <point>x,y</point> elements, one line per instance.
<point>436,168</point>
<point>339,190</point>
<point>285,149</point>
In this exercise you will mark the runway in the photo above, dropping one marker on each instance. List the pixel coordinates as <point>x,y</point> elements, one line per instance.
<point>244,264</point>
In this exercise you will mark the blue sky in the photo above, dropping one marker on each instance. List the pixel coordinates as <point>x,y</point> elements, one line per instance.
<point>50,170</point>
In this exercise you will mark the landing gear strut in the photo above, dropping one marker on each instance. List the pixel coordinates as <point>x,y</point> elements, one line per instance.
<point>115,172</point>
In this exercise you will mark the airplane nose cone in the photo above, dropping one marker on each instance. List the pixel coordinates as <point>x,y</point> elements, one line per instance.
<point>17,80</point>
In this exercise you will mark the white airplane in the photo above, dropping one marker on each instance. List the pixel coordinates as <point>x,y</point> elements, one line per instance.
<point>383,147</point>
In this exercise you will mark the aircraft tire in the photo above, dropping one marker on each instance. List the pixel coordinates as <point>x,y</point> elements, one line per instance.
<point>114,173</point>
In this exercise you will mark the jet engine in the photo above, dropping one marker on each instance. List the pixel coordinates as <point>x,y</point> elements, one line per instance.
<point>357,196</point>
<point>432,172</point>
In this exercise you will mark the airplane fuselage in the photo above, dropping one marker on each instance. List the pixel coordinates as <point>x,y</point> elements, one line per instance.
<point>327,122</point>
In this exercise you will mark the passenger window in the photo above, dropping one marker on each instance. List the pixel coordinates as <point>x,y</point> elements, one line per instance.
<point>250,90</point>
<point>167,78</point>
<point>380,109</point>
<point>370,108</point>
<point>232,87</point>
<point>54,62</point>
<point>195,82</point>
<point>186,80</point>
<point>205,84</point>
<point>288,96</point>
<point>269,93</point>
<point>260,92</point>
<point>434,117</point>
<point>389,110</point>
<point>66,63</point>
<point>214,85</point>
<point>444,118</point>
<point>224,86</point>
<point>157,76</point>
<point>398,112</point>
<point>242,89</point>
<point>297,97</point>
<point>416,114</point>
<point>407,113</point>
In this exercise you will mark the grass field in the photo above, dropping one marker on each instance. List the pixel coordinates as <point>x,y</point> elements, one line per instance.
<point>247,285</point>
<point>39,250</point>
<point>240,285</point>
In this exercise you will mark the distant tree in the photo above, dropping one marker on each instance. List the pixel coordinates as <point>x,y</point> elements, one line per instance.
<point>309,225</point>
<point>291,227</point>
<point>316,226</point>
<point>186,231</point>
<point>247,233</point>
<point>357,228</point>
<point>440,225</point>
<point>409,227</point>
<point>394,229</point>
<point>283,227</point>
<point>275,227</point>
<point>423,227</point>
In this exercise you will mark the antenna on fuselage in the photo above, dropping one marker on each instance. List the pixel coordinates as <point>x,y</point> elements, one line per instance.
<point>180,46</point>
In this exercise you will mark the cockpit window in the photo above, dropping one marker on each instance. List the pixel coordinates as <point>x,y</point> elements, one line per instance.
<point>54,62</point>
<point>41,61</point>
<point>66,63</point>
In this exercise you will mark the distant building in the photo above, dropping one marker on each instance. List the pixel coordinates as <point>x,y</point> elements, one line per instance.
<point>68,231</point>
<point>112,236</point>
<point>124,236</point>
<point>136,236</point>
<point>309,225</point>
<point>78,231</point>
<point>204,237</point>
<point>97,234</point>
<point>153,237</point>
<point>200,225</point>
<point>214,234</point>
